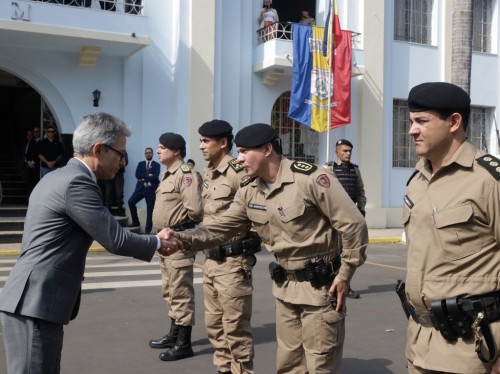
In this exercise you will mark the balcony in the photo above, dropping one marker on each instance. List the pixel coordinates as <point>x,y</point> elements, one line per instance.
<point>88,28</point>
<point>273,56</point>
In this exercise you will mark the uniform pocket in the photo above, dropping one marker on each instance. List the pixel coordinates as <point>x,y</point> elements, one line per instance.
<point>260,221</point>
<point>457,232</point>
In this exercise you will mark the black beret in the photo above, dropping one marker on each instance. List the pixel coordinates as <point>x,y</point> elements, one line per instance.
<point>255,135</point>
<point>215,128</point>
<point>437,95</point>
<point>172,141</point>
<point>344,142</point>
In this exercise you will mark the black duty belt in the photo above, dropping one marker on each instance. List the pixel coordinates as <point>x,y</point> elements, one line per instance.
<point>247,246</point>
<point>319,273</point>
<point>185,225</point>
<point>458,317</point>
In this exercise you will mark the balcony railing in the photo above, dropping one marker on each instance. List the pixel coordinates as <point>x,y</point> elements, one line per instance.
<point>278,30</point>
<point>121,6</point>
<point>283,31</point>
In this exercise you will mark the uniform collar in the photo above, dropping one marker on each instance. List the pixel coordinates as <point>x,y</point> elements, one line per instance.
<point>285,175</point>
<point>176,165</point>
<point>223,165</point>
<point>463,156</point>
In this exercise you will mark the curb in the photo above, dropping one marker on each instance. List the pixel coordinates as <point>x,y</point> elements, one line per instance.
<point>15,252</point>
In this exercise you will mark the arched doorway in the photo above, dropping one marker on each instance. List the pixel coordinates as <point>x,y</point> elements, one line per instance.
<point>21,109</point>
<point>299,142</point>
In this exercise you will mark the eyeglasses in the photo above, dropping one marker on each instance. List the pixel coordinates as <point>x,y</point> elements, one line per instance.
<point>122,154</point>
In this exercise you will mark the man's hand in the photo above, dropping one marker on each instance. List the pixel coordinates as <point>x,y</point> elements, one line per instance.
<point>168,233</point>
<point>339,289</point>
<point>169,246</point>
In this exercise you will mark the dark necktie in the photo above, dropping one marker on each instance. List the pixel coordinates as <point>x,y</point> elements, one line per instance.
<point>147,167</point>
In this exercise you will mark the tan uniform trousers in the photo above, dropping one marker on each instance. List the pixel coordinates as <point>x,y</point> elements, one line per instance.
<point>228,309</point>
<point>416,370</point>
<point>310,339</point>
<point>178,290</point>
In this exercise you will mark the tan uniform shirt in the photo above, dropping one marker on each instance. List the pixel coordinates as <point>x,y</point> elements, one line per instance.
<point>219,187</point>
<point>177,199</point>
<point>296,221</point>
<point>452,224</point>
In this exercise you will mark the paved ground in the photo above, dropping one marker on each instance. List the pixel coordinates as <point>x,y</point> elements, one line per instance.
<point>122,309</point>
<point>393,235</point>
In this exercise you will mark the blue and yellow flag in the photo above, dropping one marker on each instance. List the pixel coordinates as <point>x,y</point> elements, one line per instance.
<point>312,81</point>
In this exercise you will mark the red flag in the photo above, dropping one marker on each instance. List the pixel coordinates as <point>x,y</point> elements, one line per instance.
<point>337,32</point>
<point>341,113</point>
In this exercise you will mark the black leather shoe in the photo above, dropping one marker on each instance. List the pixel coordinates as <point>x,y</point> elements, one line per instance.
<point>182,347</point>
<point>168,340</point>
<point>353,294</point>
<point>223,372</point>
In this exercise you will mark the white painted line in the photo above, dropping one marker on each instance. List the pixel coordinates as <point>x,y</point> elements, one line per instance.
<point>132,284</point>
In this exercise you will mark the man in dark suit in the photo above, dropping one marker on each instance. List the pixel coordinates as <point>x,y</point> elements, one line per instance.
<point>147,174</point>
<point>65,215</point>
<point>31,162</point>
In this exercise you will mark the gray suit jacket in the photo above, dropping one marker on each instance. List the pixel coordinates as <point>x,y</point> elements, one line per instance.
<point>65,214</point>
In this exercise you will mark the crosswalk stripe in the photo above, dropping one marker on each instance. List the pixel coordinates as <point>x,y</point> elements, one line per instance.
<point>128,284</point>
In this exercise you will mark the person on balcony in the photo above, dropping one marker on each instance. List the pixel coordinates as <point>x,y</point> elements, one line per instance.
<point>306,19</point>
<point>268,17</point>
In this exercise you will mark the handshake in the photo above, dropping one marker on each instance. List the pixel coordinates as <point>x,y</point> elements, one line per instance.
<point>170,242</point>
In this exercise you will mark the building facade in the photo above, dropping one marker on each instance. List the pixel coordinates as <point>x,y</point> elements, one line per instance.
<point>170,65</point>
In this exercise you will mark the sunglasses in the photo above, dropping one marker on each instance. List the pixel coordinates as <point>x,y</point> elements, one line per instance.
<point>122,154</point>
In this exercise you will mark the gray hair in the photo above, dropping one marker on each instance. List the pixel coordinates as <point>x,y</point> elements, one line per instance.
<point>98,128</point>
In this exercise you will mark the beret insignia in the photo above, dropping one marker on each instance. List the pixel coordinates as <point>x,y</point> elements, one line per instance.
<point>246,180</point>
<point>303,167</point>
<point>235,165</point>
<point>186,169</point>
<point>490,163</point>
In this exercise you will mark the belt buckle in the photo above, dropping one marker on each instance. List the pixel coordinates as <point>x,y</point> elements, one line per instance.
<point>291,276</point>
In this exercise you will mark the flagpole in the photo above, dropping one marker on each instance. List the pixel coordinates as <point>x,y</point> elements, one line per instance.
<point>329,49</point>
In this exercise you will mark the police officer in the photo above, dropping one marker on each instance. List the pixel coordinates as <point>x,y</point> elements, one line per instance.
<point>350,178</point>
<point>297,209</point>
<point>451,214</point>
<point>227,309</point>
<point>178,206</point>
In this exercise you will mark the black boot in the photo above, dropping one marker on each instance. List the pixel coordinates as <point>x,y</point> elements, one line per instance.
<point>182,347</point>
<point>168,340</point>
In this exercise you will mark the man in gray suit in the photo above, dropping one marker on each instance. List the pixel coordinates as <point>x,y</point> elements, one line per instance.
<point>65,215</point>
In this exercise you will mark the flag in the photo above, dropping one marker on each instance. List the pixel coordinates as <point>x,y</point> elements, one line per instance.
<point>337,31</point>
<point>341,110</point>
<point>312,81</point>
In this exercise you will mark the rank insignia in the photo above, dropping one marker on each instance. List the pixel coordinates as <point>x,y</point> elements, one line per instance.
<point>303,167</point>
<point>186,169</point>
<point>235,165</point>
<point>246,180</point>
<point>323,181</point>
<point>490,163</point>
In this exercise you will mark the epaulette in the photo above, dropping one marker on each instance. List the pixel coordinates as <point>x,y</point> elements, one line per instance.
<point>186,169</point>
<point>246,180</point>
<point>490,163</point>
<point>303,167</point>
<point>235,165</point>
<point>409,180</point>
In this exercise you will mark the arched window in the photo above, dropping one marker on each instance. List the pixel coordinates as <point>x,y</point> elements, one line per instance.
<point>299,142</point>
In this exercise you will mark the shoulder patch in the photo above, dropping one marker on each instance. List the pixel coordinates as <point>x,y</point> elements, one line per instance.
<point>186,169</point>
<point>303,167</point>
<point>235,165</point>
<point>247,180</point>
<point>490,163</point>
